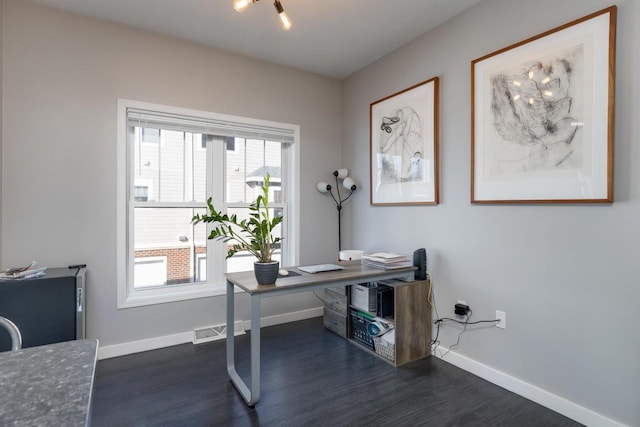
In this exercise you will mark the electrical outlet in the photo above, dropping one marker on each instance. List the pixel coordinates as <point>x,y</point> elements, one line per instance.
<point>461,309</point>
<point>502,317</point>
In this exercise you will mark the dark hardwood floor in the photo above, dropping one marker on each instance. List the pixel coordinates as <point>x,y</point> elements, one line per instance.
<point>310,377</point>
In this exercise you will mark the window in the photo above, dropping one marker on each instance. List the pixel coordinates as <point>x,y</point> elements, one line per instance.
<point>162,256</point>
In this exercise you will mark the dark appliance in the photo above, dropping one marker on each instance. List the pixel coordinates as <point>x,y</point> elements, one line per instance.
<point>46,309</point>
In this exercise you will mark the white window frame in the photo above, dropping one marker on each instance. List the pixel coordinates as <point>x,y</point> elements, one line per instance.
<point>128,296</point>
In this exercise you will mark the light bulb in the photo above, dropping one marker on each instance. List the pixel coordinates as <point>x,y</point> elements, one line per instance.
<point>323,187</point>
<point>285,21</point>
<point>342,173</point>
<point>349,184</point>
<point>241,5</point>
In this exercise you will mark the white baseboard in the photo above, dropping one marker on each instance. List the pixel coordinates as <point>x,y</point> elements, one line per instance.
<point>294,316</point>
<point>123,349</point>
<point>529,391</point>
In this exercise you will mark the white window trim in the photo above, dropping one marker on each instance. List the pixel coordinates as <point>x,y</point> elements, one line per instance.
<point>129,297</point>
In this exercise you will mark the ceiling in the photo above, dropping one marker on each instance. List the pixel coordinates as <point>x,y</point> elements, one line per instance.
<point>330,37</point>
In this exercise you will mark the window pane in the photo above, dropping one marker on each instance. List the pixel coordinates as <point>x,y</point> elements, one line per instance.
<point>243,261</point>
<point>151,135</point>
<point>140,193</point>
<point>150,271</point>
<point>254,158</point>
<point>201,267</point>
<point>176,169</point>
<point>273,155</point>
<point>199,157</point>
<point>230,142</point>
<point>167,233</point>
<point>235,173</point>
<point>247,165</point>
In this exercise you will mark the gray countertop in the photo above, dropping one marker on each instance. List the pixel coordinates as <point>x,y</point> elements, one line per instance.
<point>50,385</point>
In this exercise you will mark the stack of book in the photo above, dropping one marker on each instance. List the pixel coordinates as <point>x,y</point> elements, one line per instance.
<point>28,272</point>
<point>387,261</point>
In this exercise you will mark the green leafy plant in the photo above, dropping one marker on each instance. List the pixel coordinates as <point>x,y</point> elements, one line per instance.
<point>252,234</point>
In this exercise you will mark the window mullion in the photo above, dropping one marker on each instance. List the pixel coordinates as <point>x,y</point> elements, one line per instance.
<point>215,190</point>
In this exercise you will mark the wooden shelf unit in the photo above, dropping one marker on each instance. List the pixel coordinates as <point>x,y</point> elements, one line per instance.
<point>412,319</point>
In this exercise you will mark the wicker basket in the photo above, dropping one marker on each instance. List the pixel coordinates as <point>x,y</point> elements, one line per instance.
<point>384,348</point>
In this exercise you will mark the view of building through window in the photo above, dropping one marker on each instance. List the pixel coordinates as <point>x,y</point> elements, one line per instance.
<point>172,177</point>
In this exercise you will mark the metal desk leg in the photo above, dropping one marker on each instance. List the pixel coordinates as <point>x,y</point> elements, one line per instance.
<point>250,396</point>
<point>255,349</point>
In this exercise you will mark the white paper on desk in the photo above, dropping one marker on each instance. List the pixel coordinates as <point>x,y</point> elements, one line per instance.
<point>386,256</point>
<point>319,268</point>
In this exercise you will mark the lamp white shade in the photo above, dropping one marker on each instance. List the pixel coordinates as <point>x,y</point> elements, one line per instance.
<point>343,173</point>
<point>348,183</point>
<point>322,187</point>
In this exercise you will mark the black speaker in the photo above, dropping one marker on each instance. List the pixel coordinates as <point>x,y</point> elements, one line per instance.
<point>420,261</point>
<point>384,297</point>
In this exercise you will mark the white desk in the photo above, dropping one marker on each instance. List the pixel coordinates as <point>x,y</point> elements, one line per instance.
<point>353,273</point>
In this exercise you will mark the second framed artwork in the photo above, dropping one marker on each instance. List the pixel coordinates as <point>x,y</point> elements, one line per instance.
<point>542,116</point>
<point>404,146</point>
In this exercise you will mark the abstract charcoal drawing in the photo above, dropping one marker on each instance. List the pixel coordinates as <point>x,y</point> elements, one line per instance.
<point>401,147</point>
<point>537,115</point>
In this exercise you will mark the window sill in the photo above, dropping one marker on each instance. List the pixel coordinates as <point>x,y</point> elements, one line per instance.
<point>143,298</point>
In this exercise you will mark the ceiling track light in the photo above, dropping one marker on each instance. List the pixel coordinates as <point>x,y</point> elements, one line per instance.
<point>242,5</point>
<point>285,21</point>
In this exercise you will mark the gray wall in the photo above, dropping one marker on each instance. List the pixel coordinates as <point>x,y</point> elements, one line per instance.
<point>62,76</point>
<point>566,275</point>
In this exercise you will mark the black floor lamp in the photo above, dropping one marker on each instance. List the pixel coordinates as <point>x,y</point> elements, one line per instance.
<point>347,183</point>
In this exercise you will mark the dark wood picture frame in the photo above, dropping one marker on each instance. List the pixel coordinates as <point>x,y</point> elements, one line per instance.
<point>403,147</point>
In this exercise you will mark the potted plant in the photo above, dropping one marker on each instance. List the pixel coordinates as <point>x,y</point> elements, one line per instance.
<point>253,234</point>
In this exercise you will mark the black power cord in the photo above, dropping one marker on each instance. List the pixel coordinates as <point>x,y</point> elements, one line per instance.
<point>448,319</point>
<point>464,322</point>
<point>431,300</point>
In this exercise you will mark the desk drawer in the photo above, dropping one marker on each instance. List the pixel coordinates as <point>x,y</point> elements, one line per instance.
<point>338,290</point>
<point>335,301</point>
<point>335,322</point>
